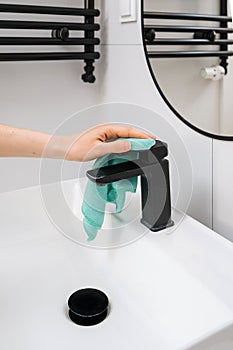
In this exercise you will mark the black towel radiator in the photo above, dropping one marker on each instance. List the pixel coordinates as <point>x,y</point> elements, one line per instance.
<point>59,35</point>
<point>216,35</point>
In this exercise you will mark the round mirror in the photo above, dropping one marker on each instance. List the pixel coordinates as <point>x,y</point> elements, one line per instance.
<point>188,46</point>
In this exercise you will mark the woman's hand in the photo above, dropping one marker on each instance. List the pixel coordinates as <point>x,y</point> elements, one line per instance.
<point>92,144</point>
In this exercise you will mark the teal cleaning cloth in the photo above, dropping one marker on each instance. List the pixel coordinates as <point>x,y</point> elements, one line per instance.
<point>96,197</point>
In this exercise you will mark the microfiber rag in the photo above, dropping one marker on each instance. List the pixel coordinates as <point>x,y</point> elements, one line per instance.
<point>96,197</point>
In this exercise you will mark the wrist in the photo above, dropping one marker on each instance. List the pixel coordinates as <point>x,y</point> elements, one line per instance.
<point>59,147</point>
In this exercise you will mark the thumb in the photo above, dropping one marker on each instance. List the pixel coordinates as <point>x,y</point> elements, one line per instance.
<point>119,146</point>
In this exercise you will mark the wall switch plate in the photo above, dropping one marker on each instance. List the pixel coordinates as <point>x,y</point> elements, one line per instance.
<point>128,11</point>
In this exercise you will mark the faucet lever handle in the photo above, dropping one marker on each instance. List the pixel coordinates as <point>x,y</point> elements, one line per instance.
<point>155,154</point>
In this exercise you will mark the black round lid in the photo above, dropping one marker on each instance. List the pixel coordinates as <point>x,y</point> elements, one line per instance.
<point>88,307</point>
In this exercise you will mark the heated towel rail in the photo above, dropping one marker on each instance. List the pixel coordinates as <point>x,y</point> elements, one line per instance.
<point>59,34</point>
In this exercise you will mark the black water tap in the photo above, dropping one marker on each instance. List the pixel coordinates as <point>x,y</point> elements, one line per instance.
<point>153,168</point>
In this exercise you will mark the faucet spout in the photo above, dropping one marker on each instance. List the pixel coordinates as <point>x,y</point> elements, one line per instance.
<point>117,172</point>
<point>153,168</point>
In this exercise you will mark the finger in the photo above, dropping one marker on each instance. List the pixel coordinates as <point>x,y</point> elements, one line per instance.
<point>119,146</point>
<point>114,131</point>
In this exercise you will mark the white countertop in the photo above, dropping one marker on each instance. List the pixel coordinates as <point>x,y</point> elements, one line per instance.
<point>167,290</point>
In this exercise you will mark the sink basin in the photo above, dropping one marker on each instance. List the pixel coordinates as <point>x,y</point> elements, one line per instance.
<point>171,290</point>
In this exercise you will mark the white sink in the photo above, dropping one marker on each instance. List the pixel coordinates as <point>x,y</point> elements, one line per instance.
<point>168,291</point>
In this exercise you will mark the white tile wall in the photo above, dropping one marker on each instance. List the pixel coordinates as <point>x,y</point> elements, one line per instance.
<point>223,188</point>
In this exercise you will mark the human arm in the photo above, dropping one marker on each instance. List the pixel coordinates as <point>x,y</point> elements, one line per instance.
<point>90,144</point>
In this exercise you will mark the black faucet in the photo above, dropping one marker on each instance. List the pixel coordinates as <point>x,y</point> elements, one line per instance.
<point>153,168</point>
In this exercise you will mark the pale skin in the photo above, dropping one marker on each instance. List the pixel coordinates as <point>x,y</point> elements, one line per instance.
<point>88,145</point>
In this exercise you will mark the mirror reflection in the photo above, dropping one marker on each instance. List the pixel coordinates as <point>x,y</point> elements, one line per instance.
<point>189,45</point>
